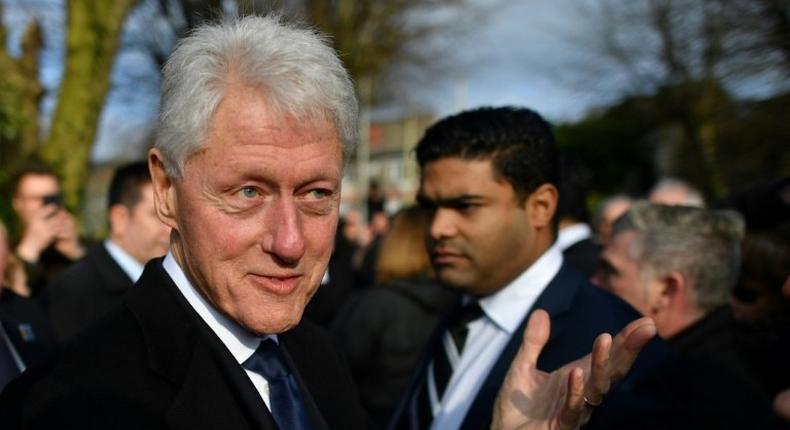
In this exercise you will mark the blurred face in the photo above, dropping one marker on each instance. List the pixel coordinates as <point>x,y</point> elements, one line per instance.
<point>255,211</point>
<point>480,236</point>
<point>622,276</point>
<point>141,233</point>
<point>30,193</point>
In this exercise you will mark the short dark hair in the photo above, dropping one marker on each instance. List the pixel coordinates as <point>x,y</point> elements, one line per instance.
<point>126,184</point>
<point>31,168</point>
<point>574,188</point>
<point>518,141</point>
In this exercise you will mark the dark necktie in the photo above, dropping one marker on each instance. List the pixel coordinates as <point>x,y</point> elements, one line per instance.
<point>287,404</point>
<point>8,367</point>
<point>443,365</point>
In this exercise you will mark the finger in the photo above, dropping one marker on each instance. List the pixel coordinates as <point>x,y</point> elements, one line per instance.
<point>628,343</point>
<point>535,337</point>
<point>573,411</point>
<point>599,378</point>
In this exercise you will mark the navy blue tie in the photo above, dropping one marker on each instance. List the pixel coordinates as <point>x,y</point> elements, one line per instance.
<point>287,404</point>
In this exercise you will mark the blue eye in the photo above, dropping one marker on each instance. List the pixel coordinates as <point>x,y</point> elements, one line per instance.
<point>319,194</point>
<point>249,192</point>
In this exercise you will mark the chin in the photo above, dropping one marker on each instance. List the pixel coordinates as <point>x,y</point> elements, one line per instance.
<point>275,321</point>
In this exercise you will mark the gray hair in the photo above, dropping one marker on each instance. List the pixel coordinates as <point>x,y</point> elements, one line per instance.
<point>295,67</point>
<point>702,244</point>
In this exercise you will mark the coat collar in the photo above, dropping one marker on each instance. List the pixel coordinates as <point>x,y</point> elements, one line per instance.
<point>212,389</point>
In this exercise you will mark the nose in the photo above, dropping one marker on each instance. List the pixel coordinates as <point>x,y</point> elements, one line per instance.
<point>442,225</point>
<point>284,239</point>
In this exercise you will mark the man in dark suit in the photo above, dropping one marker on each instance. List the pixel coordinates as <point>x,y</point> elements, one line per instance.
<point>256,119</point>
<point>489,181</point>
<point>678,265</point>
<point>94,285</point>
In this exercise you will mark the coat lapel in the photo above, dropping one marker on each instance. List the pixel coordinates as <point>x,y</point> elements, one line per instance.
<point>212,390</point>
<point>556,299</point>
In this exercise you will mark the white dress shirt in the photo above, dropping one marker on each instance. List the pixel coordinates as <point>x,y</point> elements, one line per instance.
<point>240,342</point>
<point>489,335</point>
<point>570,235</point>
<point>130,266</point>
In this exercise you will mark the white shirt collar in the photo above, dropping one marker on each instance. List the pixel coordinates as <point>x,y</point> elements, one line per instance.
<point>130,266</point>
<point>573,233</point>
<point>240,342</point>
<point>507,307</point>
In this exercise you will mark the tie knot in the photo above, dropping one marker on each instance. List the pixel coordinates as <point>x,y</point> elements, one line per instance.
<point>268,361</point>
<point>468,313</point>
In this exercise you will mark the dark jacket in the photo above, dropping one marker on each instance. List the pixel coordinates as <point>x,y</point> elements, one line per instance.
<point>85,291</point>
<point>154,364</point>
<point>579,312</point>
<point>724,392</point>
<point>382,330</point>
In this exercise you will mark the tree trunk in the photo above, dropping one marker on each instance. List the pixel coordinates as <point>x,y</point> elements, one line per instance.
<point>93,35</point>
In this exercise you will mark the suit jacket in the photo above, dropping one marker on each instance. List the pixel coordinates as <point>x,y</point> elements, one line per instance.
<point>154,364</point>
<point>579,312</point>
<point>27,327</point>
<point>85,291</point>
<point>583,256</point>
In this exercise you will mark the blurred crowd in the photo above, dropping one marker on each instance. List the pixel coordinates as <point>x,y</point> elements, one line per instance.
<point>715,278</point>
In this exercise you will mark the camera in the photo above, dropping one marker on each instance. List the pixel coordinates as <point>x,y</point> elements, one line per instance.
<point>53,199</point>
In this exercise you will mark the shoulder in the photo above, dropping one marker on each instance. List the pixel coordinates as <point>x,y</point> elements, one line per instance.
<point>83,272</point>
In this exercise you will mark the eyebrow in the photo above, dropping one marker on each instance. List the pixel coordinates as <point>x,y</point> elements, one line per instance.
<point>450,201</point>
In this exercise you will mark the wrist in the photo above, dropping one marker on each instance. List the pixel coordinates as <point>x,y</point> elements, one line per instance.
<point>28,251</point>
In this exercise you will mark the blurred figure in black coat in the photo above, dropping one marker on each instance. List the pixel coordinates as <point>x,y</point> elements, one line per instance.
<point>383,329</point>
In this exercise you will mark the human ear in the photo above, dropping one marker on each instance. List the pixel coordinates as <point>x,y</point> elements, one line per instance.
<point>164,189</point>
<point>119,216</point>
<point>541,205</point>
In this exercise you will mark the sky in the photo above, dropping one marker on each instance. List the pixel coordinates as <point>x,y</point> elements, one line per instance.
<point>525,52</point>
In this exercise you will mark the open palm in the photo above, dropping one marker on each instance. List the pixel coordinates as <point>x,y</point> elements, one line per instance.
<point>531,399</point>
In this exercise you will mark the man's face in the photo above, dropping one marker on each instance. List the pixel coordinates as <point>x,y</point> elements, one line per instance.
<point>145,236</point>
<point>256,211</point>
<point>480,236</point>
<point>30,193</point>
<point>622,275</point>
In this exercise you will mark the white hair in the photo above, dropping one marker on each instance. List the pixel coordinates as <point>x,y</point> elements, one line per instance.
<point>295,68</point>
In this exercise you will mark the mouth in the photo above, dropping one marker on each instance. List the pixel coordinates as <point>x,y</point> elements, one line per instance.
<point>446,256</point>
<point>280,285</point>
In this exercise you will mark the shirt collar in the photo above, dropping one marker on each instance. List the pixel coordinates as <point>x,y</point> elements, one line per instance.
<point>240,342</point>
<point>568,236</point>
<point>130,266</point>
<point>508,306</point>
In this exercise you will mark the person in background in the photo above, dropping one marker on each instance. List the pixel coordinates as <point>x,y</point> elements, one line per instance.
<point>674,191</point>
<point>489,184</point>
<point>95,284</point>
<point>49,240</point>
<point>382,329</point>
<point>678,265</point>
<point>611,208</point>
<point>25,338</point>
<point>575,238</point>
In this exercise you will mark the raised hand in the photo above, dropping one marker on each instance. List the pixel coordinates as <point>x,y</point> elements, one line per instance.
<point>40,232</point>
<point>531,399</point>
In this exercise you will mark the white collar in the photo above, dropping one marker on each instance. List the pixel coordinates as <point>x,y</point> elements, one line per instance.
<point>130,266</point>
<point>508,306</point>
<point>572,234</point>
<point>240,342</point>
